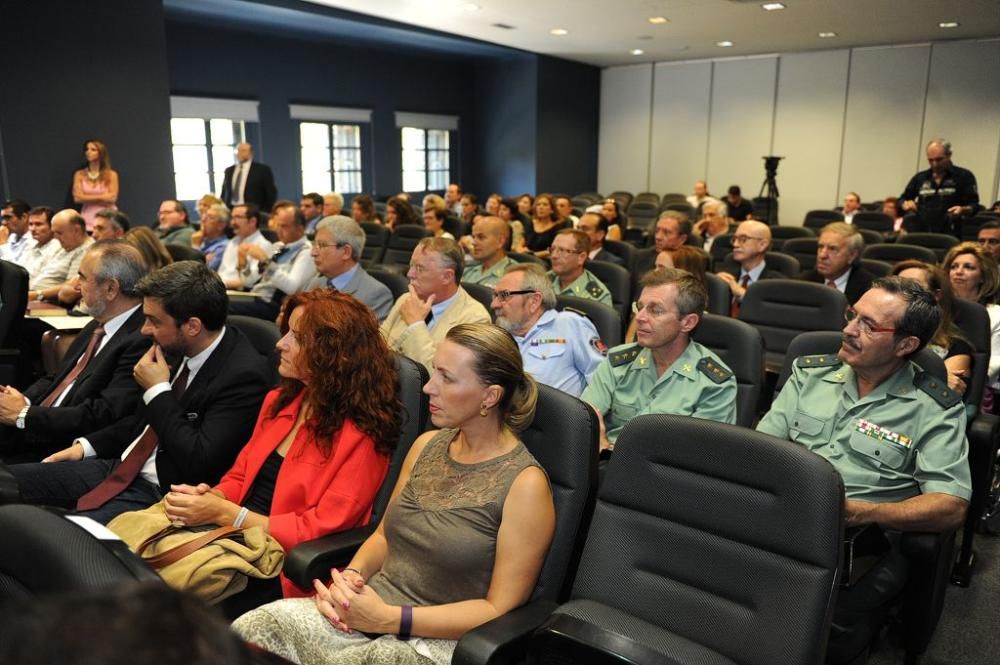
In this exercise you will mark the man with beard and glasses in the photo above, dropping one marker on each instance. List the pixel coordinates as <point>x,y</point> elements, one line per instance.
<point>560,349</point>
<point>895,434</point>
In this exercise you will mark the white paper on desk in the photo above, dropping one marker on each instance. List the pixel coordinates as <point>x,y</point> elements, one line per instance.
<point>96,529</point>
<point>67,322</point>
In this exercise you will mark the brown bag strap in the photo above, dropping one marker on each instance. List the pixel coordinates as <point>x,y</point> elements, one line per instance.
<point>174,554</point>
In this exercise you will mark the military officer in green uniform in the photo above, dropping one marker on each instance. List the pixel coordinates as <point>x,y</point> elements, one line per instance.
<point>894,433</point>
<point>664,372</point>
<point>569,278</point>
<point>489,242</point>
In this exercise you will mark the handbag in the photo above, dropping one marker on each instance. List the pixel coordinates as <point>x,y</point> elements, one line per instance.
<point>211,562</point>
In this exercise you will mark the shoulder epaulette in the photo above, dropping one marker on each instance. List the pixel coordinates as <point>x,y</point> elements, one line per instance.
<point>578,312</point>
<point>825,360</point>
<point>595,289</point>
<point>937,389</point>
<point>713,370</point>
<point>624,356</point>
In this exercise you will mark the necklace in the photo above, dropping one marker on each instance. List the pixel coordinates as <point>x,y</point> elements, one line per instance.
<point>92,176</point>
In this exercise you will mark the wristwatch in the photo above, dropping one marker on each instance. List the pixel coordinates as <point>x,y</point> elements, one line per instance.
<point>19,423</point>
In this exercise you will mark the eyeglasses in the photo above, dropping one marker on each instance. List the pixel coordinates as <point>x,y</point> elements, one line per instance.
<point>742,239</point>
<point>505,295</point>
<point>556,251</point>
<point>982,241</point>
<point>6,217</point>
<point>652,309</point>
<point>322,244</point>
<point>850,314</point>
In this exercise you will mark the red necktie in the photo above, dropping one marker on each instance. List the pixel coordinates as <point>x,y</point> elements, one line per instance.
<point>95,341</point>
<point>832,284</point>
<point>734,308</point>
<point>125,473</point>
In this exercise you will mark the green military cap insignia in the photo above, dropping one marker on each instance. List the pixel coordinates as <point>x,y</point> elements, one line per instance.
<point>624,356</point>
<point>595,289</point>
<point>824,360</point>
<point>713,370</point>
<point>937,389</point>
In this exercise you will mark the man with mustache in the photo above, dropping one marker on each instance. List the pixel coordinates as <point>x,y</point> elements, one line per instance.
<point>895,434</point>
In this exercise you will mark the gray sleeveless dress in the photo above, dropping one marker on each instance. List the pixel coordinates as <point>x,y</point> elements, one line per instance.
<point>441,535</point>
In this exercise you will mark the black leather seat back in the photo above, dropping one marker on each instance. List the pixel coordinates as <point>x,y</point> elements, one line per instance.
<point>483,294</point>
<point>873,221</point>
<point>398,284</point>
<point>739,346</point>
<point>939,243</point>
<point>817,219</point>
<point>619,283</point>
<point>895,252</point>
<point>376,238</point>
<point>184,253</point>
<point>263,335</point>
<point>604,318</point>
<point>974,322</point>
<point>625,251</point>
<point>803,249</point>
<point>402,241</point>
<point>720,298</point>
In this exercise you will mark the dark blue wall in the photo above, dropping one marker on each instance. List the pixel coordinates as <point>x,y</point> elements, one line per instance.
<point>569,102</point>
<point>73,71</point>
<point>278,71</point>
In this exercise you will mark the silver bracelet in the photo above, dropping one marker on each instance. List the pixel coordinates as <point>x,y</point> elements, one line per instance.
<point>241,517</point>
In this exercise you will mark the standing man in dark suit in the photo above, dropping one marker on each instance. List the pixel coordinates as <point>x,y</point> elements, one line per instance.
<point>837,264</point>
<point>248,181</point>
<point>750,244</point>
<point>94,386</point>
<point>596,228</point>
<point>192,422</point>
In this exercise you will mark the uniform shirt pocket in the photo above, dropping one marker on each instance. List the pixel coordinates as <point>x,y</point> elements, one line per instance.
<point>878,453</point>
<point>544,351</point>
<point>809,429</point>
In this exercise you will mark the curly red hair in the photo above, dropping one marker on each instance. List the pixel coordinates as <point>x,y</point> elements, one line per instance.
<point>350,368</point>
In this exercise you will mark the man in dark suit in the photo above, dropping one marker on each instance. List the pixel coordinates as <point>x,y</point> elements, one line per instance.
<point>94,386</point>
<point>248,181</point>
<point>192,422</point>
<point>837,265</point>
<point>596,228</point>
<point>750,244</point>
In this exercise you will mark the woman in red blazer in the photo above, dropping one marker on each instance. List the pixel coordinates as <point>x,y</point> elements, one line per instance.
<point>321,447</point>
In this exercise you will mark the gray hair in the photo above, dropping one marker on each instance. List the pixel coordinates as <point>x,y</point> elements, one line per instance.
<point>535,279</point>
<point>855,241</point>
<point>117,219</point>
<point>122,262</point>
<point>222,211</point>
<point>337,198</point>
<point>344,230</point>
<point>943,143</point>
<point>451,253</point>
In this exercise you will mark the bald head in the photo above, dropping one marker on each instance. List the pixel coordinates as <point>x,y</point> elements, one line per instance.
<point>69,228</point>
<point>751,241</point>
<point>489,240</point>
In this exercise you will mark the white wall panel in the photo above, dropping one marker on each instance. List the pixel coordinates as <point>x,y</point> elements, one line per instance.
<point>740,123</point>
<point>964,109</point>
<point>808,128</point>
<point>885,108</point>
<point>681,95</point>
<point>623,148</point>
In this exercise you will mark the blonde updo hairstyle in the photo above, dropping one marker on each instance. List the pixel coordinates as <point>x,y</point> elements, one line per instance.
<point>498,362</point>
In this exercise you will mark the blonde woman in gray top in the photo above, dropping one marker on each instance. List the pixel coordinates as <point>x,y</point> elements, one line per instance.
<point>465,535</point>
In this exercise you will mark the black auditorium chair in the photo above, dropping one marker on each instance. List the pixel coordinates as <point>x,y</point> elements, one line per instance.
<point>929,555</point>
<point>803,249</point>
<point>397,283</point>
<point>606,319</point>
<point>722,247</point>
<point>528,258</point>
<point>876,267</point>
<point>263,335</point>
<point>692,519</point>
<point>786,264</point>
<point>939,243</point>
<point>619,283</point>
<point>564,439</point>
<point>895,252</point>
<point>313,559</point>
<point>970,227</point>
<point>873,221</point>
<point>14,299</point>
<point>184,253</point>
<point>402,242</point>
<point>779,234</point>
<point>817,219</point>
<point>740,347</point>
<point>872,237</point>
<point>683,208</point>
<point>983,433</point>
<point>780,309</point>
<point>376,239</point>
<point>720,298</point>
<point>624,199</point>
<point>623,250</point>
<point>483,294</point>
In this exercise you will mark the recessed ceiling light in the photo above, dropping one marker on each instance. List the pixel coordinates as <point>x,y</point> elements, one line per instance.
<point>827,35</point>
<point>772,6</point>
<point>559,32</point>
<point>658,20</point>
<point>724,44</point>
<point>948,24</point>
<point>637,51</point>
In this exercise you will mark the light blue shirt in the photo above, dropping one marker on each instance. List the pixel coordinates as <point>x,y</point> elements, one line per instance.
<point>341,280</point>
<point>437,309</point>
<point>562,350</point>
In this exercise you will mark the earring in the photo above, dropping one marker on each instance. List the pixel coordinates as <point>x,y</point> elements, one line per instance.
<point>482,411</point>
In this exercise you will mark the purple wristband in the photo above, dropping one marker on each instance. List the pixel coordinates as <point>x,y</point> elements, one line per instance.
<point>405,622</point>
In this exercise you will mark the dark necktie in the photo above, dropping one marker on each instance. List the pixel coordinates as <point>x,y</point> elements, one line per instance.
<point>429,317</point>
<point>832,284</point>
<point>237,184</point>
<point>734,307</point>
<point>125,473</point>
<point>95,341</point>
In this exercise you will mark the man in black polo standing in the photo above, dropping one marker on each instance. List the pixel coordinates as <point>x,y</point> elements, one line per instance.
<point>937,199</point>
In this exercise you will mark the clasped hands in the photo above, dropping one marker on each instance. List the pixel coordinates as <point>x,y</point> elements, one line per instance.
<point>250,251</point>
<point>350,604</point>
<point>193,505</point>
